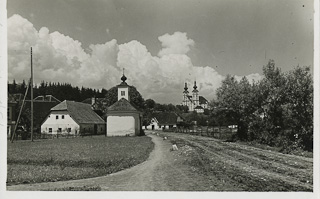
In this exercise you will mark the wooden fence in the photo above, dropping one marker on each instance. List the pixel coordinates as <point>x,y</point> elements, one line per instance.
<point>223,133</point>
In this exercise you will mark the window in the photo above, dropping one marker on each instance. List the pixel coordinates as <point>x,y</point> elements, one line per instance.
<point>50,130</point>
<point>59,129</point>
<point>57,116</point>
<point>62,117</point>
<point>123,93</point>
<point>69,130</point>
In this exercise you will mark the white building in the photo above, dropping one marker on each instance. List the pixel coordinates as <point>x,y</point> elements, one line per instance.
<point>123,118</point>
<point>163,120</point>
<point>73,118</point>
<point>194,102</point>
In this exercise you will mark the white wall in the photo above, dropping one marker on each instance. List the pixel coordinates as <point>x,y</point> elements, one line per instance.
<point>120,125</point>
<point>64,124</point>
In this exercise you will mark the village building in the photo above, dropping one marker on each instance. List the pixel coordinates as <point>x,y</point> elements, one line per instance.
<point>41,108</point>
<point>194,102</point>
<point>123,119</point>
<point>163,121</point>
<point>11,114</point>
<point>75,118</point>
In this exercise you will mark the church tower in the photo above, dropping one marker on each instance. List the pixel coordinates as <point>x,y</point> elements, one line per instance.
<point>123,88</point>
<point>185,95</point>
<point>195,95</point>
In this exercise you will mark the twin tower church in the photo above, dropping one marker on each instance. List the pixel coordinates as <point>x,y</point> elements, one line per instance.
<point>194,102</point>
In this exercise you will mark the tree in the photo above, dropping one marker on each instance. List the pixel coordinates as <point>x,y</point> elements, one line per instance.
<point>299,107</point>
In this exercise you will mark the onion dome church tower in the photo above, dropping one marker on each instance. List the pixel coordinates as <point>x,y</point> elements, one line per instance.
<point>195,95</point>
<point>123,119</point>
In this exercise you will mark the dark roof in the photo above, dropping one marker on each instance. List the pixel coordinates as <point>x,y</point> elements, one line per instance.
<point>46,98</point>
<point>122,105</point>
<point>166,118</point>
<point>41,110</point>
<point>80,112</point>
<point>202,100</point>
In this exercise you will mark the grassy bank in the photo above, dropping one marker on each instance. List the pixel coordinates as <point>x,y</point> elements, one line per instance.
<point>77,158</point>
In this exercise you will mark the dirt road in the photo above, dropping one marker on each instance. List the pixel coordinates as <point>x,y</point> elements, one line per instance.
<point>201,164</point>
<point>162,171</point>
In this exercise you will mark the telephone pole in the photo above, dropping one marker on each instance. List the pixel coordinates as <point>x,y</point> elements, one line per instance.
<point>31,82</point>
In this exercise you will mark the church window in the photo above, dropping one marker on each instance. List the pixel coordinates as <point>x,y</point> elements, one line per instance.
<point>123,93</point>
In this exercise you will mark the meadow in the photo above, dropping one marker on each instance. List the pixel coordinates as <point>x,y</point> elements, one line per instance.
<point>76,158</point>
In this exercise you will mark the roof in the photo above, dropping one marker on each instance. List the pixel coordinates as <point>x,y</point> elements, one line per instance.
<point>98,103</point>
<point>46,98</point>
<point>166,118</point>
<point>122,105</point>
<point>198,107</point>
<point>80,112</point>
<point>202,100</point>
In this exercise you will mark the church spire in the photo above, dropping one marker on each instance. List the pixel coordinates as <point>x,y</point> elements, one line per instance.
<point>185,88</point>
<point>195,86</point>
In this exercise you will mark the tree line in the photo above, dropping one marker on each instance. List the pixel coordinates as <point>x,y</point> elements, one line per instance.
<point>62,91</point>
<point>278,110</point>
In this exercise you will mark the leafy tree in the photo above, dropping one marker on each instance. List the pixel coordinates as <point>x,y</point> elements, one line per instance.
<point>299,107</point>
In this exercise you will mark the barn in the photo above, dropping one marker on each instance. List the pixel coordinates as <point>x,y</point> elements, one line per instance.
<point>123,119</point>
<point>75,118</point>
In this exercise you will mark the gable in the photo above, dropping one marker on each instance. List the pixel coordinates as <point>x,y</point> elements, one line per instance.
<point>122,105</point>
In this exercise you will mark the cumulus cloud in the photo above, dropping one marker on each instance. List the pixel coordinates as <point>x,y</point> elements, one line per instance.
<point>58,57</point>
<point>177,43</point>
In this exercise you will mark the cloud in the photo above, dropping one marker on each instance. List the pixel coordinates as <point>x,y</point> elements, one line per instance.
<point>177,43</point>
<point>58,57</point>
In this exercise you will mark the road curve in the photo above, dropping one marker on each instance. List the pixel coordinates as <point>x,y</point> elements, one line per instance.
<point>163,171</point>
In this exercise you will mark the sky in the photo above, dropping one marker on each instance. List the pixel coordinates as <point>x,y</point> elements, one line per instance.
<point>160,44</point>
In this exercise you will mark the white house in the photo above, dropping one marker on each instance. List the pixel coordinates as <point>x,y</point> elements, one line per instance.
<point>122,117</point>
<point>73,118</point>
<point>163,120</point>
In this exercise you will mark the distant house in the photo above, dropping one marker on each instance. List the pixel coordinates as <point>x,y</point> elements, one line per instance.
<point>163,120</point>
<point>73,118</point>
<point>11,114</point>
<point>41,108</point>
<point>122,117</point>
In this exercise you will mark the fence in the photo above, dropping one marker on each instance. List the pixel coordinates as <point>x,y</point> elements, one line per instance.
<point>38,136</point>
<point>223,133</point>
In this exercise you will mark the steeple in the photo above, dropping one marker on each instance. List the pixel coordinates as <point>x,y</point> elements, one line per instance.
<point>195,87</point>
<point>195,95</point>
<point>185,88</point>
<point>123,88</point>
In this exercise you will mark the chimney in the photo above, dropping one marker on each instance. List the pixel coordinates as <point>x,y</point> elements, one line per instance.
<point>93,101</point>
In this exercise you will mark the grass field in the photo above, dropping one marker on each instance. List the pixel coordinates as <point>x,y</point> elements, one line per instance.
<point>76,158</point>
<point>230,166</point>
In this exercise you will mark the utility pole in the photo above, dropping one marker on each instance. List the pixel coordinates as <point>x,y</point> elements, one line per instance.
<point>31,98</point>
